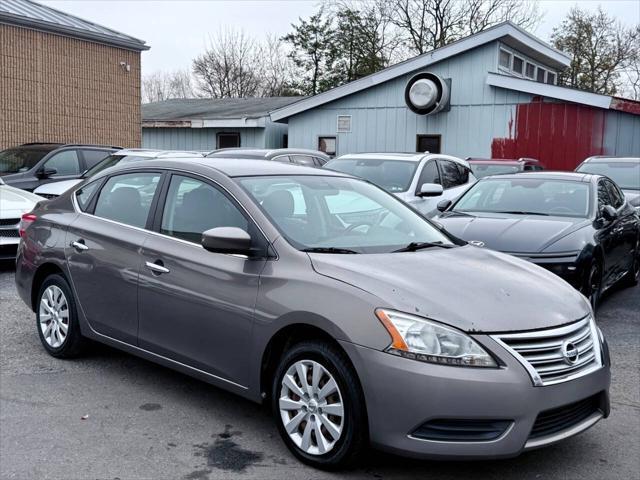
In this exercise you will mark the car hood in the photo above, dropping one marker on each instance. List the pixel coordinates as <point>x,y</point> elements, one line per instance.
<point>56,188</point>
<point>471,288</point>
<point>511,233</point>
<point>15,202</point>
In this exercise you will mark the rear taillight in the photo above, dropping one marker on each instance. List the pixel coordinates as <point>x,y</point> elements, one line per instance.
<point>26,220</point>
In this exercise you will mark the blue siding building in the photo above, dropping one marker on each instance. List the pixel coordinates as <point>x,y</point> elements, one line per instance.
<point>504,102</point>
<point>207,124</point>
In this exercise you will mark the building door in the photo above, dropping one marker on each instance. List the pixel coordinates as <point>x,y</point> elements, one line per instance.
<point>428,143</point>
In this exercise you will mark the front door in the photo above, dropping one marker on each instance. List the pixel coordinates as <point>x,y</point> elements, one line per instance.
<point>196,307</point>
<point>103,252</point>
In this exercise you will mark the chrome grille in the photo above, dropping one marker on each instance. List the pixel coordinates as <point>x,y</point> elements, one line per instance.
<point>557,354</point>
<point>9,233</point>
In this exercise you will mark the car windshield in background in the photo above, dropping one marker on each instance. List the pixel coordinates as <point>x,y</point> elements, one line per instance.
<point>532,196</point>
<point>625,174</point>
<point>17,160</point>
<point>481,170</point>
<point>110,161</point>
<point>393,175</point>
<point>339,215</point>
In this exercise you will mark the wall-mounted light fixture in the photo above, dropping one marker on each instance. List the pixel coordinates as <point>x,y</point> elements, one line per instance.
<point>125,66</point>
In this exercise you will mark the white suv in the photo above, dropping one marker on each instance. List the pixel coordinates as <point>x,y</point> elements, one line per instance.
<point>52,190</point>
<point>421,180</point>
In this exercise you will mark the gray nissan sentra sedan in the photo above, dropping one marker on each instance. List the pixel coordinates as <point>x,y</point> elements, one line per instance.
<point>358,320</point>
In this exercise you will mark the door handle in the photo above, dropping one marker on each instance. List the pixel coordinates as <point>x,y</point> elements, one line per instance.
<point>79,245</point>
<point>157,268</point>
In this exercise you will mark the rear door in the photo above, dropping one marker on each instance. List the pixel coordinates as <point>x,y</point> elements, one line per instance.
<point>196,307</point>
<point>103,250</point>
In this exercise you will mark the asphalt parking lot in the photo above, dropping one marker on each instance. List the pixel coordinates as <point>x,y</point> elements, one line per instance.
<point>110,415</point>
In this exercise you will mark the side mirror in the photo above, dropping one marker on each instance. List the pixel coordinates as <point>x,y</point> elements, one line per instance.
<point>444,204</point>
<point>46,172</point>
<point>430,190</point>
<point>231,240</point>
<point>608,213</point>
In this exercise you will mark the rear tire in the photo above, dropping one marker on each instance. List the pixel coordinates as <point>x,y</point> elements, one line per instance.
<point>325,416</point>
<point>57,318</point>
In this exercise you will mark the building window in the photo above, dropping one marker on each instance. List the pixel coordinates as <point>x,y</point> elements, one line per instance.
<point>518,65</point>
<point>540,76</point>
<point>551,78</point>
<point>344,124</point>
<point>504,59</point>
<point>285,141</point>
<point>228,140</point>
<point>327,145</point>
<point>530,71</point>
<point>428,143</point>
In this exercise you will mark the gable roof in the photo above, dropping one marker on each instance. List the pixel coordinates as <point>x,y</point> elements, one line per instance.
<point>507,32</point>
<point>212,112</point>
<point>567,94</point>
<point>30,14</point>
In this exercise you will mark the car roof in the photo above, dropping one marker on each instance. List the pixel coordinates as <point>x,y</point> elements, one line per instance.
<point>151,153</point>
<point>502,161</point>
<point>54,145</point>
<point>231,167</point>
<point>264,152</point>
<point>603,159</point>
<point>547,175</point>
<point>401,156</point>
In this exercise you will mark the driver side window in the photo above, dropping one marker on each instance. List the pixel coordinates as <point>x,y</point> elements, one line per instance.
<point>603,195</point>
<point>65,163</point>
<point>429,174</point>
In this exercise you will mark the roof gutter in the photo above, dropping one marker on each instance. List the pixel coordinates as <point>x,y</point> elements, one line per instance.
<point>244,122</point>
<point>35,24</point>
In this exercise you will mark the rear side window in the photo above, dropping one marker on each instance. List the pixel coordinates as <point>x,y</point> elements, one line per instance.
<point>85,194</point>
<point>302,160</point>
<point>127,198</point>
<point>92,157</point>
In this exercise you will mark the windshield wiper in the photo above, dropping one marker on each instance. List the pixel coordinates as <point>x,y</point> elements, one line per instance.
<point>328,250</point>
<point>413,246</point>
<point>519,212</point>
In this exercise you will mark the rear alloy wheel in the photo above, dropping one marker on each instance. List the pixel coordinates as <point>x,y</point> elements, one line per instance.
<point>593,284</point>
<point>318,405</point>
<point>57,319</point>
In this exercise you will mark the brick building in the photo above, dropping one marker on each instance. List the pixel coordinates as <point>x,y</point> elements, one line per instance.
<point>64,79</point>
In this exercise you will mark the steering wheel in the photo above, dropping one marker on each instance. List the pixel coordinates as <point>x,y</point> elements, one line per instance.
<point>353,226</point>
<point>561,209</point>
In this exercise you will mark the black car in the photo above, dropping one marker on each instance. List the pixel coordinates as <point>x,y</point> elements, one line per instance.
<point>299,156</point>
<point>578,226</point>
<point>33,164</point>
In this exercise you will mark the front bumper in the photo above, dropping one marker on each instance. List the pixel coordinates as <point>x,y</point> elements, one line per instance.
<point>402,395</point>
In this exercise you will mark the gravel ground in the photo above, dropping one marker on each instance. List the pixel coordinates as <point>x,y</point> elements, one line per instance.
<point>148,422</point>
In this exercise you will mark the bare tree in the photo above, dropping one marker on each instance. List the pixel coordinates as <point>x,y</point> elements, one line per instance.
<point>159,86</point>
<point>276,69</point>
<point>429,24</point>
<point>229,67</point>
<point>604,51</point>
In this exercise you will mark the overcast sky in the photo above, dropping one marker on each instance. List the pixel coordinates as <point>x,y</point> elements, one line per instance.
<point>177,30</point>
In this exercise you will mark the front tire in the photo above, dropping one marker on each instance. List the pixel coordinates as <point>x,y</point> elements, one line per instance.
<point>57,318</point>
<point>631,277</point>
<point>318,405</point>
<point>593,284</point>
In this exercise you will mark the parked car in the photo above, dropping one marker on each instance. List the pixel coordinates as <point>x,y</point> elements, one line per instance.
<point>624,171</point>
<point>578,226</point>
<point>33,164</point>
<point>351,314</point>
<point>298,156</point>
<point>52,190</point>
<point>13,204</point>
<point>483,167</point>
<point>421,180</point>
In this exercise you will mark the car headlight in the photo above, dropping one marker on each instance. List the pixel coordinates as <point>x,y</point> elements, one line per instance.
<point>428,341</point>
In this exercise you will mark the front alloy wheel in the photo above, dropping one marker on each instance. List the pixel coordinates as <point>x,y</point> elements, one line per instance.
<point>318,405</point>
<point>311,407</point>
<point>593,285</point>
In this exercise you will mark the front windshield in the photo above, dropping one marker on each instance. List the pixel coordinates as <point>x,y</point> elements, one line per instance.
<point>484,170</point>
<point>314,212</point>
<point>625,174</point>
<point>393,175</point>
<point>108,162</point>
<point>18,160</point>
<point>526,196</point>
